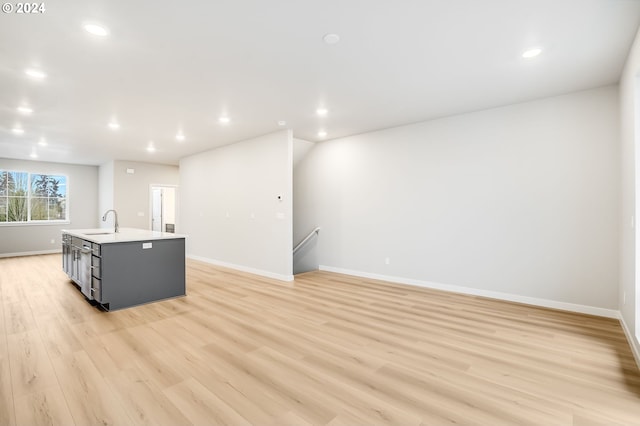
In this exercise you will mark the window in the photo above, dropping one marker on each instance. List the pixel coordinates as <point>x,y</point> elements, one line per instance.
<point>32,198</point>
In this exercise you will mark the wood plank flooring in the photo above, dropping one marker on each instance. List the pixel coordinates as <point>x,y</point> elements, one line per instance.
<point>327,349</point>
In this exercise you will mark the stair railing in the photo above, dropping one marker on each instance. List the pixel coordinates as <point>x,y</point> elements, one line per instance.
<point>306,239</point>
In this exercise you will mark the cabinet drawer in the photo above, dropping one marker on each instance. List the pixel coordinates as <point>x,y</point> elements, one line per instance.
<point>96,288</point>
<point>96,249</point>
<point>96,266</point>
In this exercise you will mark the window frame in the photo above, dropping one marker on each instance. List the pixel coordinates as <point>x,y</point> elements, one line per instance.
<point>39,222</point>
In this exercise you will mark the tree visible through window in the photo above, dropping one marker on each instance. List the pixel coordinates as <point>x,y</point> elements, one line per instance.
<point>26,197</point>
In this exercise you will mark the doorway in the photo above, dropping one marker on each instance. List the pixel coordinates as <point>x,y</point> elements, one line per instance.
<point>163,208</point>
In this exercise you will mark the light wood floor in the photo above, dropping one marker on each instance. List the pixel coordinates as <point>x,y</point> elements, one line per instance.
<point>325,350</point>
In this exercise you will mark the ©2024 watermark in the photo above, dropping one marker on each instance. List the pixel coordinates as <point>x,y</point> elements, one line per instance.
<point>23,8</point>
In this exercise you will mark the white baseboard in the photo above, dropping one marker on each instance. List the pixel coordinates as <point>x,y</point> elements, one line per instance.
<point>242,268</point>
<point>31,253</point>
<point>633,341</point>
<point>546,303</point>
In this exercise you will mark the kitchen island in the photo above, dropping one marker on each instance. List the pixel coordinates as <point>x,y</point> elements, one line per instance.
<point>127,268</point>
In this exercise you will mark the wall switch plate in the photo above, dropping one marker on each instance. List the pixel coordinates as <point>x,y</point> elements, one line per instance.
<point>53,241</point>
<point>280,216</point>
<point>140,214</point>
<point>387,261</point>
<point>131,171</point>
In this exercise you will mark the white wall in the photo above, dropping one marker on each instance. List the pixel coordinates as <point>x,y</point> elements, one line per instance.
<point>520,200</point>
<point>629,298</point>
<point>306,258</point>
<point>300,149</point>
<point>82,203</point>
<point>131,192</point>
<point>229,206</point>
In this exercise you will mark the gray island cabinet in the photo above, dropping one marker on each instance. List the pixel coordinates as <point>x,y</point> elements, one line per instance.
<point>124,269</point>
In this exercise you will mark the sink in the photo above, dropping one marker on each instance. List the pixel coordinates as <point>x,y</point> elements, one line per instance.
<point>98,233</point>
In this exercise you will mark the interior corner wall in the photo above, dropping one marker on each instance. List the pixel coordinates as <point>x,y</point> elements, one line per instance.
<point>131,191</point>
<point>520,200</point>
<point>82,203</point>
<point>629,299</point>
<point>230,208</point>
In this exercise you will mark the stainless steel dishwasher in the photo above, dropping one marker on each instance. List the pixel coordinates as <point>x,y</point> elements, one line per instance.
<point>84,269</point>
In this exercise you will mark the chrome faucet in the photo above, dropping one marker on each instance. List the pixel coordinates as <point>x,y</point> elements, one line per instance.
<point>115,215</point>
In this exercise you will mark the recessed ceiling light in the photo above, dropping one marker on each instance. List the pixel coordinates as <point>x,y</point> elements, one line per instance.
<point>113,125</point>
<point>24,110</point>
<point>180,136</point>
<point>531,53</point>
<point>36,74</point>
<point>331,38</point>
<point>322,134</point>
<point>322,111</point>
<point>96,29</point>
<point>282,123</point>
<point>224,119</point>
<point>42,142</point>
<point>18,130</point>
<point>151,148</point>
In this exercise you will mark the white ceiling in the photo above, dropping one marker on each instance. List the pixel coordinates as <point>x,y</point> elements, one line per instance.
<point>181,64</point>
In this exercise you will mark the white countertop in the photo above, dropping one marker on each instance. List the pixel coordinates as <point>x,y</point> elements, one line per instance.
<point>106,235</point>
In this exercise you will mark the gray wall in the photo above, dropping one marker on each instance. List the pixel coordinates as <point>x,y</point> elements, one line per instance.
<point>629,296</point>
<point>520,200</point>
<point>131,192</point>
<point>229,205</point>
<point>105,190</point>
<point>83,208</point>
